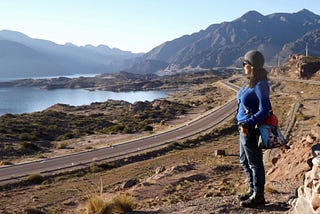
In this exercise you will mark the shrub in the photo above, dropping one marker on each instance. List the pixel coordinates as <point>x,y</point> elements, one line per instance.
<point>26,136</point>
<point>30,146</point>
<point>66,136</point>
<point>34,179</point>
<point>94,168</point>
<point>62,145</point>
<point>123,203</point>
<point>97,204</point>
<point>120,204</point>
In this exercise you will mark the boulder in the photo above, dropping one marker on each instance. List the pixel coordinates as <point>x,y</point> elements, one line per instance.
<point>129,183</point>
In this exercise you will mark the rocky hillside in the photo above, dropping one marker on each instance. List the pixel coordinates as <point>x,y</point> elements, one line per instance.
<point>299,67</point>
<point>310,40</point>
<point>222,44</point>
<point>219,45</point>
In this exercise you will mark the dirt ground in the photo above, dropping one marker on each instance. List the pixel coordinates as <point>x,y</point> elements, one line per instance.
<point>191,180</point>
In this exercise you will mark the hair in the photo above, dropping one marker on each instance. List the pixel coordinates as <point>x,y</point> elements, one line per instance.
<point>258,75</point>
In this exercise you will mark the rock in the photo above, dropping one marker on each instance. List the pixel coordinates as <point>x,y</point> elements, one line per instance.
<point>69,202</point>
<point>220,152</point>
<point>274,160</point>
<point>33,211</point>
<point>308,200</point>
<point>315,131</point>
<point>160,169</point>
<point>208,195</point>
<point>310,139</point>
<point>129,183</point>
<point>193,178</point>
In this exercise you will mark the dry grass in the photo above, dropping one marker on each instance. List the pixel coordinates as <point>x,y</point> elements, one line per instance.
<point>98,203</point>
<point>119,204</point>
<point>224,174</point>
<point>123,203</point>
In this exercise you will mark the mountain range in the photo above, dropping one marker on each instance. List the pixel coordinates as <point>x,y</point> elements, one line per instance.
<point>277,35</point>
<point>22,56</point>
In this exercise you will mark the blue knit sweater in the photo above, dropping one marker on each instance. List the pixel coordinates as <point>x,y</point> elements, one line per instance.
<point>253,103</point>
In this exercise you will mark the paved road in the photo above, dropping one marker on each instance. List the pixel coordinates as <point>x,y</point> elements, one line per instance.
<point>50,165</point>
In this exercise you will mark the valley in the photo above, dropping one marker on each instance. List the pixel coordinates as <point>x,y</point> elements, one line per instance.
<point>197,173</point>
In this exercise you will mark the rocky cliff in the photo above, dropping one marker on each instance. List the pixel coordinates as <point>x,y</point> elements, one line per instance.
<point>308,200</point>
<point>300,66</point>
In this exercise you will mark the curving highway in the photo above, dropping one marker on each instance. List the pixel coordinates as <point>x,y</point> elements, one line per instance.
<point>51,165</point>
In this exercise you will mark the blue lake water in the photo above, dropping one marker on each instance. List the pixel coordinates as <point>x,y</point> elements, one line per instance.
<point>25,100</point>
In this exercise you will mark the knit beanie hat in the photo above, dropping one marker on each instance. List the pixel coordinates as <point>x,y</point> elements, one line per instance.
<point>254,58</point>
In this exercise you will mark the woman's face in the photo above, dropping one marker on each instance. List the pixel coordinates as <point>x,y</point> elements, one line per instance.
<point>247,69</point>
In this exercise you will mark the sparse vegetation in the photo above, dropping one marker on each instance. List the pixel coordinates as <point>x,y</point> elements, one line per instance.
<point>123,203</point>
<point>120,204</point>
<point>34,179</point>
<point>223,176</point>
<point>4,163</point>
<point>32,129</point>
<point>97,202</point>
<point>62,145</point>
<point>310,59</point>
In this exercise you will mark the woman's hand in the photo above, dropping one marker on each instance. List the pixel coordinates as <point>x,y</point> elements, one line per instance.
<point>244,128</point>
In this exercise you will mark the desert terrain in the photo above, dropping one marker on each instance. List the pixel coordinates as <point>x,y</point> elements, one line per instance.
<point>198,175</point>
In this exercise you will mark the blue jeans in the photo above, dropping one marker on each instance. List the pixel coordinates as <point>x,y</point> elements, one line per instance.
<point>251,160</point>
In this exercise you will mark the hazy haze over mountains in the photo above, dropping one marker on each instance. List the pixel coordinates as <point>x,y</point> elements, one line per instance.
<point>22,56</point>
<point>277,35</point>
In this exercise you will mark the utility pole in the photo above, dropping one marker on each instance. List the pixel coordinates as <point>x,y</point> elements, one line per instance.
<point>307,49</point>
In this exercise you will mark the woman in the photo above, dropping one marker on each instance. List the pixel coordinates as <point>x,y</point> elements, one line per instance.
<point>253,108</point>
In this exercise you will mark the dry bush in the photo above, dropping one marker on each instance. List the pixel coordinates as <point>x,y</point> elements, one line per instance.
<point>34,179</point>
<point>119,204</point>
<point>123,202</point>
<point>62,145</point>
<point>98,204</point>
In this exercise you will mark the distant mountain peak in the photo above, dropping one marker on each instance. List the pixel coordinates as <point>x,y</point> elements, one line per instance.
<point>305,12</point>
<point>252,14</point>
<point>222,44</point>
<point>103,46</point>
<point>13,35</point>
<point>70,44</point>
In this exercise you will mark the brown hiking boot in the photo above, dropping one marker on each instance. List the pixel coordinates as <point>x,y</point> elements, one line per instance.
<point>255,200</point>
<point>245,196</point>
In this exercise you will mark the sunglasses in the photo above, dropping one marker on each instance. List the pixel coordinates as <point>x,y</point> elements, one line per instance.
<point>245,63</point>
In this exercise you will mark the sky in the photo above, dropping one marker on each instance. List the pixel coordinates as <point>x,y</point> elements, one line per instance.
<point>130,25</point>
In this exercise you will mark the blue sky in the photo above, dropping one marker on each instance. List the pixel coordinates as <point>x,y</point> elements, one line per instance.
<point>132,25</point>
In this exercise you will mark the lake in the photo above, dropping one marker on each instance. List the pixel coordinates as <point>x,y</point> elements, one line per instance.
<point>16,100</point>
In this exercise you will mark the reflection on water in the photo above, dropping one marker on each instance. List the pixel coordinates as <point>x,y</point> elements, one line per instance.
<point>26,100</point>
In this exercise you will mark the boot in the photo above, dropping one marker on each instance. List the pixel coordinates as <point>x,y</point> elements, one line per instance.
<point>245,196</point>
<point>255,200</point>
